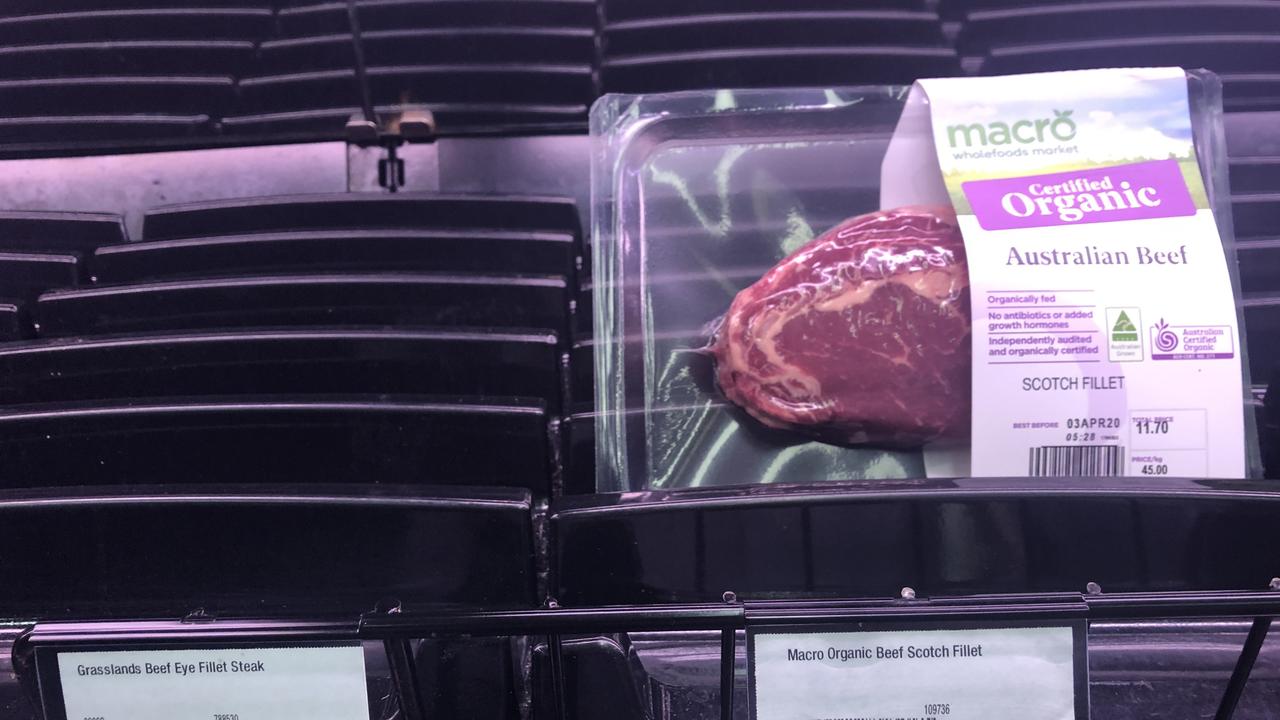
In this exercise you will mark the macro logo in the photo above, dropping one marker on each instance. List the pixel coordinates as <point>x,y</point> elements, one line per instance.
<point>1025,132</point>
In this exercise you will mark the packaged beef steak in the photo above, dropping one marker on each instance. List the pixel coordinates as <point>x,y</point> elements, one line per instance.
<point>781,291</point>
<point>859,337</point>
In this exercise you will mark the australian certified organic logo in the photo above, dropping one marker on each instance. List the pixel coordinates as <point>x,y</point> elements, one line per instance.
<point>1191,342</point>
<point>1060,127</point>
<point>1166,340</point>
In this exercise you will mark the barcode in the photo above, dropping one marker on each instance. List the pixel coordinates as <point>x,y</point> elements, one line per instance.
<point>1076,461</point>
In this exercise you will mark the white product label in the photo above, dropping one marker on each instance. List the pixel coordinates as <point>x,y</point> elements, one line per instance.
<point>298,683</point>
<point>988,674</point>
<point>1105,340</point>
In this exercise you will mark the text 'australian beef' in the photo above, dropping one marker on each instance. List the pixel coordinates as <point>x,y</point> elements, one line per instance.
<point>859,337</point>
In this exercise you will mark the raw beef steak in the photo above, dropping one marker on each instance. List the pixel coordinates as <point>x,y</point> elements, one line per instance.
<point>859,337</point>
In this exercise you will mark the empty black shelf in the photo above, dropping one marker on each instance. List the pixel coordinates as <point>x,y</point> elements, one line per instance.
<point>1038,23</point>
<point>331,17</point>
<point>57,231</point>
<point>363,211</point>
<point>294,92</point>
<point>489,43</point>
<point>382,299</point>
<point>1251,134</point>
<point>323,123</point>
<point>13,320</point>
<point>776,67</point>
<point>1222,53</point>
<point>58,129</point>
<point>619,10</point>
<point>496,85</point>
<point>390,14</point>
<point>313,18</point>
<point>418,362</point>
<point>683,32</point>
<point>1262,328</point>
<point>868,540</point>
<point>274,439</point>
<point>29,7</point>
<point>1255,215</point>
<point>311,52</point>
<point>449,116</point>
<point>148,23</point>
<point>1259,264</point>
<point>416,46</point>
<point>133,57</point>
<point>958,9</point>
<point>1246,92</point>
<point>447,250</point>
<point>1255,175</point>
<point>235,550</point>
<point>116,95</point>
<point>27,274</point>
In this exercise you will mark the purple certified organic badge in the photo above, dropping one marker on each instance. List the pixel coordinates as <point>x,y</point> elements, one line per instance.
<point>1191,342</point>
<point>1136,191</point>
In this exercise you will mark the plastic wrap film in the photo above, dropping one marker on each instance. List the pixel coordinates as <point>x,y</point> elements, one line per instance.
<point>696,196</point>
<point>1204,91</point>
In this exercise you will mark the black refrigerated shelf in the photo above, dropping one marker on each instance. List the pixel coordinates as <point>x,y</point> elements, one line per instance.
<point>360,211</point>
<point>340,338</point>
<point>491,250</point>
<point>294,360</point>
<point>940,537</point>
<point>312,441</point>
<point>25,274</point>
<point>377,299</point>
<point>238,549</point>
<point>58,231</point>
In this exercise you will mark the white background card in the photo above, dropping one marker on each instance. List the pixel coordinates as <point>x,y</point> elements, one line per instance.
<point>297,683</point>
<point>985,674</point>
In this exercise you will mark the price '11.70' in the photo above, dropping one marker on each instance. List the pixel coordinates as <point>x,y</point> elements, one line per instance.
<point>1152,427</point>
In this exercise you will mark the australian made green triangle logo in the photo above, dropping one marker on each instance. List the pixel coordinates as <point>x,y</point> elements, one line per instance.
<point>1124,330</point>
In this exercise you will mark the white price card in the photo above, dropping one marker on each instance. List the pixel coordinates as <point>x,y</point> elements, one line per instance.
<point>989,673</point>
<point>263,683</point>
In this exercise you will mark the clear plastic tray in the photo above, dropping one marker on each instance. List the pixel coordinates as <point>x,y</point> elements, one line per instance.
<point>694,196</point>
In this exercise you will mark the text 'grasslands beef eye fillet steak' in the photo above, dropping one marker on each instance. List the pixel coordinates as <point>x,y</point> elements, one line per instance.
<point>860,337</point>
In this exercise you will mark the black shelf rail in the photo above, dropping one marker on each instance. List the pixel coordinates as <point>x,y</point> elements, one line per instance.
<point>395,628</point>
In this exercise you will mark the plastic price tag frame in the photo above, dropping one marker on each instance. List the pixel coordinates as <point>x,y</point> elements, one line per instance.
<point>50,679</point>
<point>1079,652</point>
